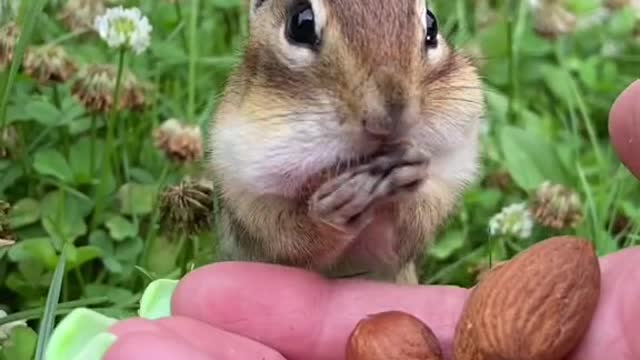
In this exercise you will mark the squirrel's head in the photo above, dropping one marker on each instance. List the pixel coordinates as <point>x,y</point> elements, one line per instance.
<point>329,81</point>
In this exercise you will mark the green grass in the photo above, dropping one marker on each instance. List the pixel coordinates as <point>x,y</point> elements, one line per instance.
<point>548,102</point>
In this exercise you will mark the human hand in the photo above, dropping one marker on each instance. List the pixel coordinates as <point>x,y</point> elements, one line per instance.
<point>217,309</point>
<point>255,311</point>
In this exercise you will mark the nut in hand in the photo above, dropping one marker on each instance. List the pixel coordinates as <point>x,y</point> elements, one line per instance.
<point>393,335</point>
<point>537,306</point>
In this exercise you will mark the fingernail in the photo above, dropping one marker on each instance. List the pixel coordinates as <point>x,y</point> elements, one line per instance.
<point>81,335</point>
<point>156,299</point>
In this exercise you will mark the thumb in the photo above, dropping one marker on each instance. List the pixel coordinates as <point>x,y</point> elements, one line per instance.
<point>624,127</point>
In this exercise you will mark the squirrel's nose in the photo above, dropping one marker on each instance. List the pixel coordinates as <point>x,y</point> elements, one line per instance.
<point>389,126</point>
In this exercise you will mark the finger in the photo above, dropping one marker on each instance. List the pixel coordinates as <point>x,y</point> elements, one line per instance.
<point>300,314</point>
<point>616,323</point>
<point>145,346</point>
<point>624,127</point>
<point>213,342</point>
<point>134,325</point>
<point>629,295</point>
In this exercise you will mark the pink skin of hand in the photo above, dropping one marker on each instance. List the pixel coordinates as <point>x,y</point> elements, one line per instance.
<point>244,311</point>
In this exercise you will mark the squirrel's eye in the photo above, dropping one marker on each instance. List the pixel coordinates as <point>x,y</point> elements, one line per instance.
<point>432,30</point>
<point>301,27</point>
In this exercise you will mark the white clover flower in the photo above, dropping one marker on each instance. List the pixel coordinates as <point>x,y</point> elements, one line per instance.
<point>514,220</point>
<point>121,27</point>
<point>5,330</point>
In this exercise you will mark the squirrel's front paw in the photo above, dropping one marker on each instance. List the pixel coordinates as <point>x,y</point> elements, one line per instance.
<point>347,202</point>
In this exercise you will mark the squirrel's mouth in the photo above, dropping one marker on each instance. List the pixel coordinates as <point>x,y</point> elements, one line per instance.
<point>342,165</point>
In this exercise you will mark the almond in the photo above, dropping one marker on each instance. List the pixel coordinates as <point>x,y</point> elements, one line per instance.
<point>393,335</point>
<point>538,306</point>
<point>465,347</point>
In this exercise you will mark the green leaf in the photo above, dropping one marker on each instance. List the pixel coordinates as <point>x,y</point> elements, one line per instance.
<point>71,110</point>
<point>32,271</point>
<point>533,46</point>
<point>623,22</point>
<point>142,176</point>
<point>24,212</point>
<point>630,209</point>
<point>588,71</point>
<point>10,176</point>
<point>447,245</point>
<point>100,240</point>
<point>39,249</point>
<point>71,253</point>
<point>63,216</point>
<point>530,159</point>
<point>19,285</point>
<point>118,295</point>
<point>21,344</point>
<point>113,265</point>
<point>129,249</point>
<point>126,255</point>
<point>51,163</point>
<point>109,182</point>
<point>80,159</point>
<point>62,231</point>
<point>121,228</point>
<point>483,199</point>
<point>494,40</point>
<point>604,243</point>
<point>156,299</point>
<point>79,126</point>
<point>163,255</point>
<point>137,199</point>
<point>43,112</point>
<point>83,255</point>
<point>169,52</point>
<point>559,82</point>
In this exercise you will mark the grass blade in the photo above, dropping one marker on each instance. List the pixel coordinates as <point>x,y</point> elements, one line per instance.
<point>48,318</point>
<point>62,307</point>
<point>25,37</point>
<point>193,57</point>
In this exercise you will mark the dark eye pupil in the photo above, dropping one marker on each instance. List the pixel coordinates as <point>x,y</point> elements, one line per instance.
<point>432,30</point>
<point>302,26</point>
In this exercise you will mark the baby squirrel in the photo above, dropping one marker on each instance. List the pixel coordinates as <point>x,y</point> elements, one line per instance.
<point>344,138</point>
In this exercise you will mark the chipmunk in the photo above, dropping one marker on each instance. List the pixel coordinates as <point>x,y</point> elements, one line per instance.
<point>344,137</point>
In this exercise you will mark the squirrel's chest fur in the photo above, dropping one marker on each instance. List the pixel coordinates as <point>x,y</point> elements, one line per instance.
<point>379,252</point>
<point>375,253</point>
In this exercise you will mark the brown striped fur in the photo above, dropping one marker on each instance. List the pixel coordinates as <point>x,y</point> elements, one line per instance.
<point>279,124</point>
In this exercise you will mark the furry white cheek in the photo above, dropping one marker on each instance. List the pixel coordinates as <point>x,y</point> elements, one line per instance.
<point>453,149</point>
<point>458,166</point>
<point>273,162</point>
